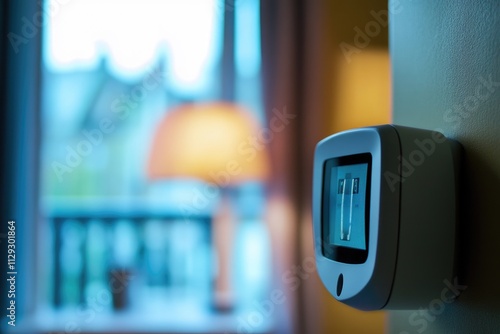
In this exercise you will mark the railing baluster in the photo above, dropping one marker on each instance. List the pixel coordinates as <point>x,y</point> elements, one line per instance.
<point>80,222</point>
<point>83,253</point>
<point>57,221</point>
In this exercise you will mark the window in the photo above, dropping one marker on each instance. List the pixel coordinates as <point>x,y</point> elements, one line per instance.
<point>120,252</point>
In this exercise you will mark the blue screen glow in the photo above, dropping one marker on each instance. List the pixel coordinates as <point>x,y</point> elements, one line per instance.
<point>347,202</point>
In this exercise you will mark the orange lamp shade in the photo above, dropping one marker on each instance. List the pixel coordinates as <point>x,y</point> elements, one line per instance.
<point>216,142</point>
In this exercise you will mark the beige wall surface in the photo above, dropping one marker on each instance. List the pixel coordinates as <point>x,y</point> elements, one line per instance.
<point>349,87</point>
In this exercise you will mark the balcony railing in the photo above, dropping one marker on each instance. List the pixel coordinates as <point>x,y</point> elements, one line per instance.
<point>131,251</point>
<point>135,268</point>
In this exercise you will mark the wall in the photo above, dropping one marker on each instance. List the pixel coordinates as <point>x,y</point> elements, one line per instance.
<point>345,84</point>
<point>446,75</point>
<point>360,96</point>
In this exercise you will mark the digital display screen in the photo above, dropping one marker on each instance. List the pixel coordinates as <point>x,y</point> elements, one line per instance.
<point>347,196</point>
<point>346,208</point>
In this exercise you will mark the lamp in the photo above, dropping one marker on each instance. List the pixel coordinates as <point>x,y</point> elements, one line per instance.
<point>218,143</point>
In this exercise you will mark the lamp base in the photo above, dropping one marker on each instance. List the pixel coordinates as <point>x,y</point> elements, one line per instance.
<point>223,303</point>
<point>223,226</point>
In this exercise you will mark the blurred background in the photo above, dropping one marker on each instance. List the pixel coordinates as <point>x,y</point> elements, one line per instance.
<point>162,155</point>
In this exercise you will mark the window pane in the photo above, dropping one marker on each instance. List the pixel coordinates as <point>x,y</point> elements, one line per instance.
<point>120,241</point>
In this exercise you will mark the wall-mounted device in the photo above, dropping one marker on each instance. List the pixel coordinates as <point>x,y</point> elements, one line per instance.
<point>384,215</point>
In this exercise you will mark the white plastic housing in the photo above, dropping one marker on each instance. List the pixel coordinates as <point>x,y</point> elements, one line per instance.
<point>411,228</point>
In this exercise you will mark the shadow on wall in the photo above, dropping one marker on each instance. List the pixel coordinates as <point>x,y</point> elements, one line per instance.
<point>476,290</point>
<point>479,237</point>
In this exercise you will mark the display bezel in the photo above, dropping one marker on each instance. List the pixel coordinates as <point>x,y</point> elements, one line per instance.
<point>330,250</point>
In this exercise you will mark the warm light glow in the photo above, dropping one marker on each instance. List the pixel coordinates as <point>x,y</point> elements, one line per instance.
<point>361,97</point>
<point>362,91</point>
<point>215,142</point>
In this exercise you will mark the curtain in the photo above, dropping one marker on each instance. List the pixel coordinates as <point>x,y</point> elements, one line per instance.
<point>297,88</point>
<point>19,79</point>
<point>280,63</point>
